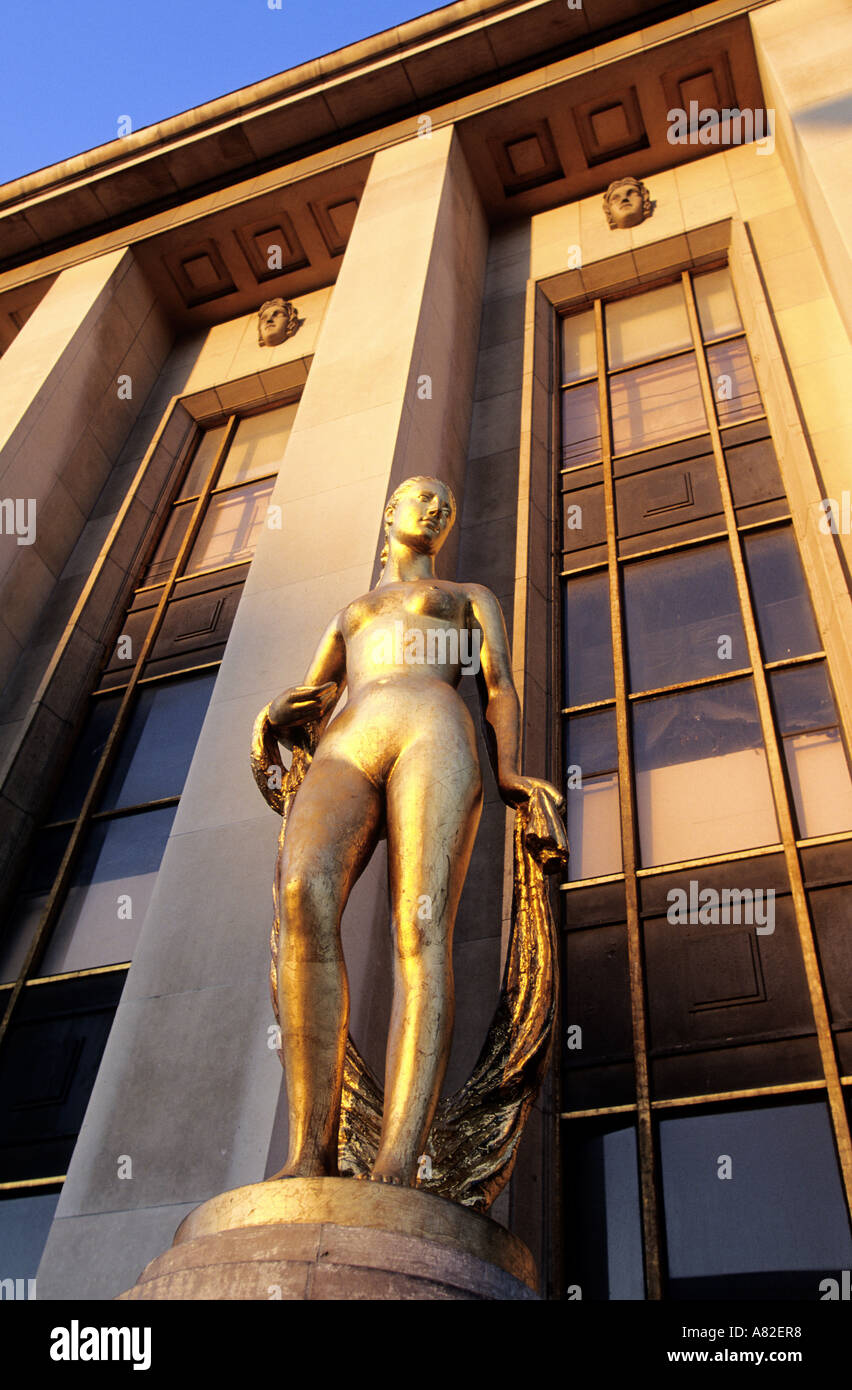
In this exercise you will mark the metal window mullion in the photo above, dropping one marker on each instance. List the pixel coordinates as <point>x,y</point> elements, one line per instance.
<point>68,863</point>
<point>645,1134</point>
<point>777,776</point>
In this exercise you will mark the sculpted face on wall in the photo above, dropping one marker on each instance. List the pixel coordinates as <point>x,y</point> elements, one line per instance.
<point>277,320</point>
<point>627,202</point>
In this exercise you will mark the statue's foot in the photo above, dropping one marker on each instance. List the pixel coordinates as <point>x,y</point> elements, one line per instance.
<point>394,1177</point>
<point>303,1169</point>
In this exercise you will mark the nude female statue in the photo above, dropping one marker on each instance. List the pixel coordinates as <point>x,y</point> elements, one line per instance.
<point>400,758</point>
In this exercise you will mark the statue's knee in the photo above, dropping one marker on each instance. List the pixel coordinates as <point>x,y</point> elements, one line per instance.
<point>301,898</point>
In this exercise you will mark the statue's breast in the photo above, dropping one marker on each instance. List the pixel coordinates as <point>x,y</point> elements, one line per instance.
<point>431,601</point>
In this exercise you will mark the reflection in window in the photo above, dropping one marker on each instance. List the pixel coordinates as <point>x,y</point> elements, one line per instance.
<point>231,528</point>
<point>581,425</point>
<point>604,1244</point>
<point>592,805</point>
<point>782,607</point>
<point>683,618</point>
<point>655,403</point>
<point>776,1227</point>
<point>588,640</point>
<point>817,766</point>
<point>579,353</point>
<point>732,381</point>
<point>110,892</point>
<point>258,446</point>
<point>652,324</point>
<point>717,307</point>
<point>202,461</point>
<point>702,784</point>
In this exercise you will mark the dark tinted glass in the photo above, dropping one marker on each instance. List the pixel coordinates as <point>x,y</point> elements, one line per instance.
<point>110,892</point>
<point>588,640</point>
<point>782,607</point>
<point>776,1226</point>
<point>159,742</point>
<point>603,1256</point>
<point>87,751</point>
<point>683,618</point>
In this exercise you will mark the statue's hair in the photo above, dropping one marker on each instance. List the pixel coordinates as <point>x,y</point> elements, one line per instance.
<point>616,183</point>
<point>394,498</point>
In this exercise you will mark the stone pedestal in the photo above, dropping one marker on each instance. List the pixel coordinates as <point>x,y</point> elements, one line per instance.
<point>337,1238</point>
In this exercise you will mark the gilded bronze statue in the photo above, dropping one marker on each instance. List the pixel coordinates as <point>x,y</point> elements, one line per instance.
<point>400,759</point>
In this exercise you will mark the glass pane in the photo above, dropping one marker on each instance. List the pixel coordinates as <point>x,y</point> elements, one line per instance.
<point>579,356</point>
<point>683,618</point>
<point>817,765</point>
<point>717,307</point>
<point>87,751</point>
<point>159,742</point>
<point>656,403</point>
<point>647,325</point>
<point>784,617</point>
<point>581,425</point>
<point>588,640</point>
<point>776,1227</point>
<point>48,1065</point>
<point>603,1253</point>
<point>24,916</point>
<point>258,446</point>
<point>592,804</point>
<point>802,699</point>
<point>702,784</point>
<point>170,543</point>
<point>231,527</point>
<point>732,379</point>
<point>202,461</point>
<point>109,897</point>
<point>24,1228</point>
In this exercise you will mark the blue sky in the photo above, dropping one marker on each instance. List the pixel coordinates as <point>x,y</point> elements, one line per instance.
<point>70,69</point>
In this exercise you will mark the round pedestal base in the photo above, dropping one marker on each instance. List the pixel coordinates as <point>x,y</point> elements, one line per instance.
<point>337,1238</point>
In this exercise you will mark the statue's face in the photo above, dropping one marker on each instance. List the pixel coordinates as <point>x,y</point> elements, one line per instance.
<point>626,205</point>
<point>422,517</point>
<point>273,325</point>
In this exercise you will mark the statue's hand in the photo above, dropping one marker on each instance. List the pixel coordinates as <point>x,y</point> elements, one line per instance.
<point>301,704</point>
<point>515,789</point>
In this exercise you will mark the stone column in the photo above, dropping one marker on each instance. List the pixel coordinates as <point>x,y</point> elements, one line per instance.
<point>189,1084</point>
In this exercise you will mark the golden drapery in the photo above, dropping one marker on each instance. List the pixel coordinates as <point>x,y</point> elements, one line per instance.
<point>473,1142</point>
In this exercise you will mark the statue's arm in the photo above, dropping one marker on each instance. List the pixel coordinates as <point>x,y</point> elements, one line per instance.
<point>500,703</point>
<point>314,701</point>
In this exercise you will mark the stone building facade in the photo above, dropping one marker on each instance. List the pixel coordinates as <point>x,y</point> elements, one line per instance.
<point>622,336</point>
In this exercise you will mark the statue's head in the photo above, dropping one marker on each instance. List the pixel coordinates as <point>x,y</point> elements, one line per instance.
<point>420,513</point>
<point>277,320</point>
<point>627,202</point>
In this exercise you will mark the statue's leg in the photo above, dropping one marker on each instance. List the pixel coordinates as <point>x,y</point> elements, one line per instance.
<point>434,802</point>
<point>331,833</point>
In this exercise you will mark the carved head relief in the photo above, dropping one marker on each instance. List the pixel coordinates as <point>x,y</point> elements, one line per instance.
<point>277,320</point>
<point>627,202</point>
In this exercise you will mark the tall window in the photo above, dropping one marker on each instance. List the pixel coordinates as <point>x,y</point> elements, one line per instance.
<point>702,754</point>
<point>66,948</point>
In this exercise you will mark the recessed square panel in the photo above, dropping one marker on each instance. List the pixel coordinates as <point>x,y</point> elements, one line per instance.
<point>200,273</point>
<point>272,247</point>
<point>526,159</point>
<point>335,218</point>
<point>610,127</point>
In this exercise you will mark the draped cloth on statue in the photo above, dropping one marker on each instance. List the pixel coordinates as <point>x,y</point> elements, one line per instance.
<point>473,1142</point>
